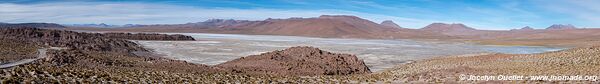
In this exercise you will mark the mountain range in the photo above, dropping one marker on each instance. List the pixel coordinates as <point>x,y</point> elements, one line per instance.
<point>562,26</point>
<point>345,26</point>
<point>102,25</point>
<point>330,26</point>
<point>38,25</point>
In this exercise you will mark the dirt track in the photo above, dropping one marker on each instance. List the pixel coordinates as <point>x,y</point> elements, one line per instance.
<point>41,54</point>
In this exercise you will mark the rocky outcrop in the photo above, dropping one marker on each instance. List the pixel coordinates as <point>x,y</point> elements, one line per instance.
<point>14,50</point>
<point>146,36</point>
<point>93,50</point>
<point>69,39</point>
<point>92,57</point>
<point>108,60</point>
<point>297,61</point>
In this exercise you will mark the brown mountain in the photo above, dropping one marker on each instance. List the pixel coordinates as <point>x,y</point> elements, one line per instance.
<point>343,26</point>
<point>327,26</point>
<point>555,35</point>
<point>456,29</point>
<point>330,26</point>
<point>447,27</point>
<point>323,26</point>
<point>390,23</point>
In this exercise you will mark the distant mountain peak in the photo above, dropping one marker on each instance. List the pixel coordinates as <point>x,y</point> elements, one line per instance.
<point>447,27</point>
<point>37,25</point>
<point>390,23</point>
<point>101,25</point>
<point>338,16</point>
<point>561,26</point>
<point>223,20</point>
<point>526,28</point>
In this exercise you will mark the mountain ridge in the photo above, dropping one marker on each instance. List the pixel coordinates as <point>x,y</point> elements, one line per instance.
<point>328,26</point>
<point>346,26</point>
<point>561,26</point>
<point>37,25</point>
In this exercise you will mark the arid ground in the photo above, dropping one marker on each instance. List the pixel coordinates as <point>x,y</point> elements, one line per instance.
<point>213,49</point>
<point>219,51</point>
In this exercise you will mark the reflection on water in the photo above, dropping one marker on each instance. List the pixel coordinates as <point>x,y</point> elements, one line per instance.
<point>213,49</point>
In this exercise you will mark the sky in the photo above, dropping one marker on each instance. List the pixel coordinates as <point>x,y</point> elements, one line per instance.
<point>479,14</point>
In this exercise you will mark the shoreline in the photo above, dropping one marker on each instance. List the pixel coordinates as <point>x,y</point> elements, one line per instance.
<point>210,49</point>
<point>451,40</point>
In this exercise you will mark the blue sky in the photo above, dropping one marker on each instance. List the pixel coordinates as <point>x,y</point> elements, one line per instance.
<point>480,14</point>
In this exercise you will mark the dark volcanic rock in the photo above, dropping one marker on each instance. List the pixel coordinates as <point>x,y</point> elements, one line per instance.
<point>297,61</point>
<point>94,50</point>
<point>144,36</point>
<point>92,57</point>
<point>69,39</point>
<point>14,50</point>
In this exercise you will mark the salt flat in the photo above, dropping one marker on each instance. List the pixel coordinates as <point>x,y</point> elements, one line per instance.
<point>213,49</point>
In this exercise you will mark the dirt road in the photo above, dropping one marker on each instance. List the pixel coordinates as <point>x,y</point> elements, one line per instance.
<point>41,54</point>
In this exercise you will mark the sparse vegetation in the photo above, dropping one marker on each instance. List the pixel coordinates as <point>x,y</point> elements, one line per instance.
<point>13,50</point>
<point>577,61</point>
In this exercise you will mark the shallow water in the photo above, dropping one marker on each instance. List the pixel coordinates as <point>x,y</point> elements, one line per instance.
<point>213,49</point>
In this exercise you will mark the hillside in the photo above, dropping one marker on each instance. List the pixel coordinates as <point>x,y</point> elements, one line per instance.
<point>96,58</point>
<point>577,61</point>
<point>555,35</point>
<point>298,61</point>
<point>329,26</point>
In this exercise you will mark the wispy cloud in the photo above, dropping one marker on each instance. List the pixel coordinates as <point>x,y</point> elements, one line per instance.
<point>413,14</point>
<point>136,13</point>
<point>587,11</point>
